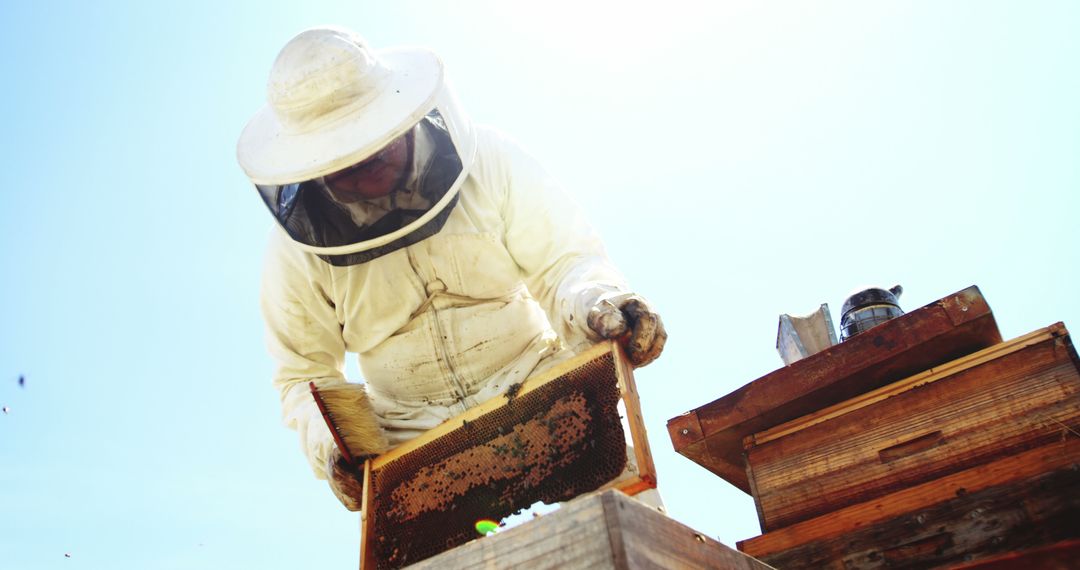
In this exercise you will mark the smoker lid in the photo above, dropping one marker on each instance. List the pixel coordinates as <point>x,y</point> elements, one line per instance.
<point>872,296</point>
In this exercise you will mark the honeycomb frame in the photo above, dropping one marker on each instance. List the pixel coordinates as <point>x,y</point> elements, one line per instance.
<point>558,436</point>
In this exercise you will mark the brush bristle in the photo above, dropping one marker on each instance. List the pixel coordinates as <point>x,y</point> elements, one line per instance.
<point>353,417</point>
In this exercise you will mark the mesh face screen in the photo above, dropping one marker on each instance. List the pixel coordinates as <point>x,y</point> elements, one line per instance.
<point>551,444</point>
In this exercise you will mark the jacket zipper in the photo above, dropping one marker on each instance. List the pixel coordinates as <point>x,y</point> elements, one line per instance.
<point>455,382</point>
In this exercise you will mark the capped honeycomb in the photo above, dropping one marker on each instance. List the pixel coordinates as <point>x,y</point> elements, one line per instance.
<point>550,444</point>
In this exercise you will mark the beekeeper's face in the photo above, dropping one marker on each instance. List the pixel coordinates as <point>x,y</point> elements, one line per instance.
<point>375,176</point>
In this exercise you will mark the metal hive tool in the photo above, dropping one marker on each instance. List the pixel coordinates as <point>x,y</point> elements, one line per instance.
<point>559,436</point>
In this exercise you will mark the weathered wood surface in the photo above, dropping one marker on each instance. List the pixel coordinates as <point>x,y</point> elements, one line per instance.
<point>1063,555</point>
<point>575,536</point>
<point>642,538</point>
<point>601,531</point>
<point>1024,501</point>
<point>952,327</point>
<point>996,402</point>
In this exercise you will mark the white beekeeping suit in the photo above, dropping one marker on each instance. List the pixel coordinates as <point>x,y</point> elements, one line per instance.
<point>438,252</point>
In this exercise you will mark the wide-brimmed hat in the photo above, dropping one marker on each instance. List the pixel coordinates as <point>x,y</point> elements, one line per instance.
<point>331,102</point>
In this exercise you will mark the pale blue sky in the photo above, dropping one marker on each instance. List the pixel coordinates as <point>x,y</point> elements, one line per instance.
<point>741,160</point>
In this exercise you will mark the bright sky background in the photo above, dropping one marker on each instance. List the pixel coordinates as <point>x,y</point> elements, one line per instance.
<point>741,160</point>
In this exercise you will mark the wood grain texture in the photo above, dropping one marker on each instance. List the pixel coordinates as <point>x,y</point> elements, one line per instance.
<point>1015,401</point>
<point>949,328</point>
<point>1063,555</point>
<point>575,536</point>
<point>643,539</point>
<point>1023,501</point>
<point>934,374</point>
<point>367,553</point>
<point>600,531</point>
<point>646,477</point>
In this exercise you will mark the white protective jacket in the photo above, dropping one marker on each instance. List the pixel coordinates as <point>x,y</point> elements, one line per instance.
<point>500,292</point>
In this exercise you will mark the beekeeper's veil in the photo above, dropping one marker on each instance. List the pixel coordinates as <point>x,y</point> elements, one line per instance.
<point>334,103</point>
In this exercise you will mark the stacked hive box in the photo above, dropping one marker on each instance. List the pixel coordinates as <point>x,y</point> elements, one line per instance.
<point>595,532</point>
<point>924,442</point>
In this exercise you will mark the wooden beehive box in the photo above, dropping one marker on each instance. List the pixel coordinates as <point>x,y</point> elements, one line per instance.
<point>596,532</point>
<point>947,329</point>
<point>1012,505</point>
<point>975,458</point>
<point>1058,556</point>
<point>994,403</point>
<point>925,442</point>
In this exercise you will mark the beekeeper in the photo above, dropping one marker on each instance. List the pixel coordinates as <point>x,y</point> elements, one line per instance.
<point>436,250</point>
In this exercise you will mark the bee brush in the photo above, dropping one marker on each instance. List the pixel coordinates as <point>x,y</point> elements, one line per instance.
<point>351,419</point>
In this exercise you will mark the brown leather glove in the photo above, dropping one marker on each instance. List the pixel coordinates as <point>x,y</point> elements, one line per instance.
<point>633,322</point>
<point>346,481</point>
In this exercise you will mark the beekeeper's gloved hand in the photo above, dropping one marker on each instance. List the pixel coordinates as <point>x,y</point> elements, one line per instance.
<point>634,324</point>
<point>346,481</point>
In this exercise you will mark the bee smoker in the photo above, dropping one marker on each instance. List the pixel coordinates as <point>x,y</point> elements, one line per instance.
<point>869,308</point>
